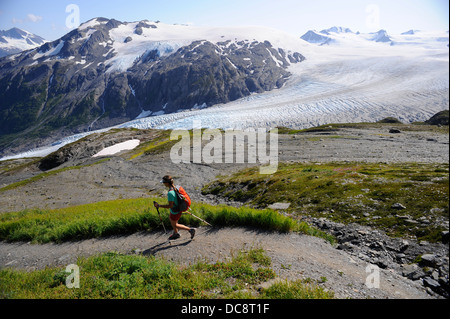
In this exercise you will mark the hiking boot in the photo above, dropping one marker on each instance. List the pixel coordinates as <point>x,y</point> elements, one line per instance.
<point>192,231</point>
<point>174,236</point>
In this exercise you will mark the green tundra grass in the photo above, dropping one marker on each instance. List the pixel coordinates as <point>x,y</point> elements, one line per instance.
<point>132,215</point>
<point>364,193</point>
<point>116,276</point>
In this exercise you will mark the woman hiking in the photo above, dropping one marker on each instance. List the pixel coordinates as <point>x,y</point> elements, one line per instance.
<point>173,216</point>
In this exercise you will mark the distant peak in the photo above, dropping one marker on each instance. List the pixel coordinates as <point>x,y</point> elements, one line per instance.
<point>16,40</point>
<point>97,21</point>
<point>315,37</point>
<point>410,32</point>
<point>336,29</point>
<point>17,33</point>
<point>16,29</point>
<point>14,33</point>
<point>381,36</point>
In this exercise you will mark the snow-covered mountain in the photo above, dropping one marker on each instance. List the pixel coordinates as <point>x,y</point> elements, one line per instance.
<point>16,40</point>
<point>326,36</point>
<point>107,72</point>
<point>316,37</point>
<point>381,36</point>
<point>336,30</point>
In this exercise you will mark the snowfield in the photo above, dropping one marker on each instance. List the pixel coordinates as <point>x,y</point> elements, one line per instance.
<point>354,79</point>
<point>117,148</point>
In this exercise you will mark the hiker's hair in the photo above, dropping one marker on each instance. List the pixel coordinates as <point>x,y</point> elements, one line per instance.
<point>168,179</point>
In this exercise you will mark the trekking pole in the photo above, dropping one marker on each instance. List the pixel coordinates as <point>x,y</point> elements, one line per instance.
<point>157,209</point>
<point>198,218</point>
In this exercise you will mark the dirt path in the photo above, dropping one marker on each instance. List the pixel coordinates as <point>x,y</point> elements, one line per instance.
<point>293,256</point>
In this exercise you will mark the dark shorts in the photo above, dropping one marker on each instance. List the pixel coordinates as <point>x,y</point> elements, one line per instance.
<point>175,217</point>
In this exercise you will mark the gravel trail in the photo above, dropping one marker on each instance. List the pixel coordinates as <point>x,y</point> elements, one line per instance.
<point>293,257</point>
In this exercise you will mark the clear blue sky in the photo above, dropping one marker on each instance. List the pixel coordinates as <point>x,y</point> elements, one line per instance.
<point>47,18</point>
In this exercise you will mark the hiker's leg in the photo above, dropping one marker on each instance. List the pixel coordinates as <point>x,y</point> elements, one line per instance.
<point>174,222</point>
<point>181,226</point>
<point>174,225</point>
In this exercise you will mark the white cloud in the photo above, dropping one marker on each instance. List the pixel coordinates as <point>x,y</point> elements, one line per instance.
<point>33,18</point>
<point>15,21</point>
<point>30,17</point>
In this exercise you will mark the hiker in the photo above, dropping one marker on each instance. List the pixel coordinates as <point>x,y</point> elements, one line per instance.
<point>174,216</point>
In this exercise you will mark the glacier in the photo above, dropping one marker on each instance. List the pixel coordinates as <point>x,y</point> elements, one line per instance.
<point>357,81</point>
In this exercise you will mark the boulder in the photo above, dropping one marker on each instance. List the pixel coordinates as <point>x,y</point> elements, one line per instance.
<point>281,206</point>
<point>416,274</point>
<point>428,260</point>
<point>440,118</point>
<point>398,206</point>
<point>389,120</point>
<point>430,282</point>
<point>404,245</point>
<point>445,237</point>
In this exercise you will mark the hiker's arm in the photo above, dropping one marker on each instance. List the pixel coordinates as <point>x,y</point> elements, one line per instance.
<point>170,205</point>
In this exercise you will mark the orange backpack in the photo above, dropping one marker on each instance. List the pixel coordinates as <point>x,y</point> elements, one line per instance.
<point>183,199</point>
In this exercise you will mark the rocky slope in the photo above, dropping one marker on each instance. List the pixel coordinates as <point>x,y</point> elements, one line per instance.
<point>373,246</point>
